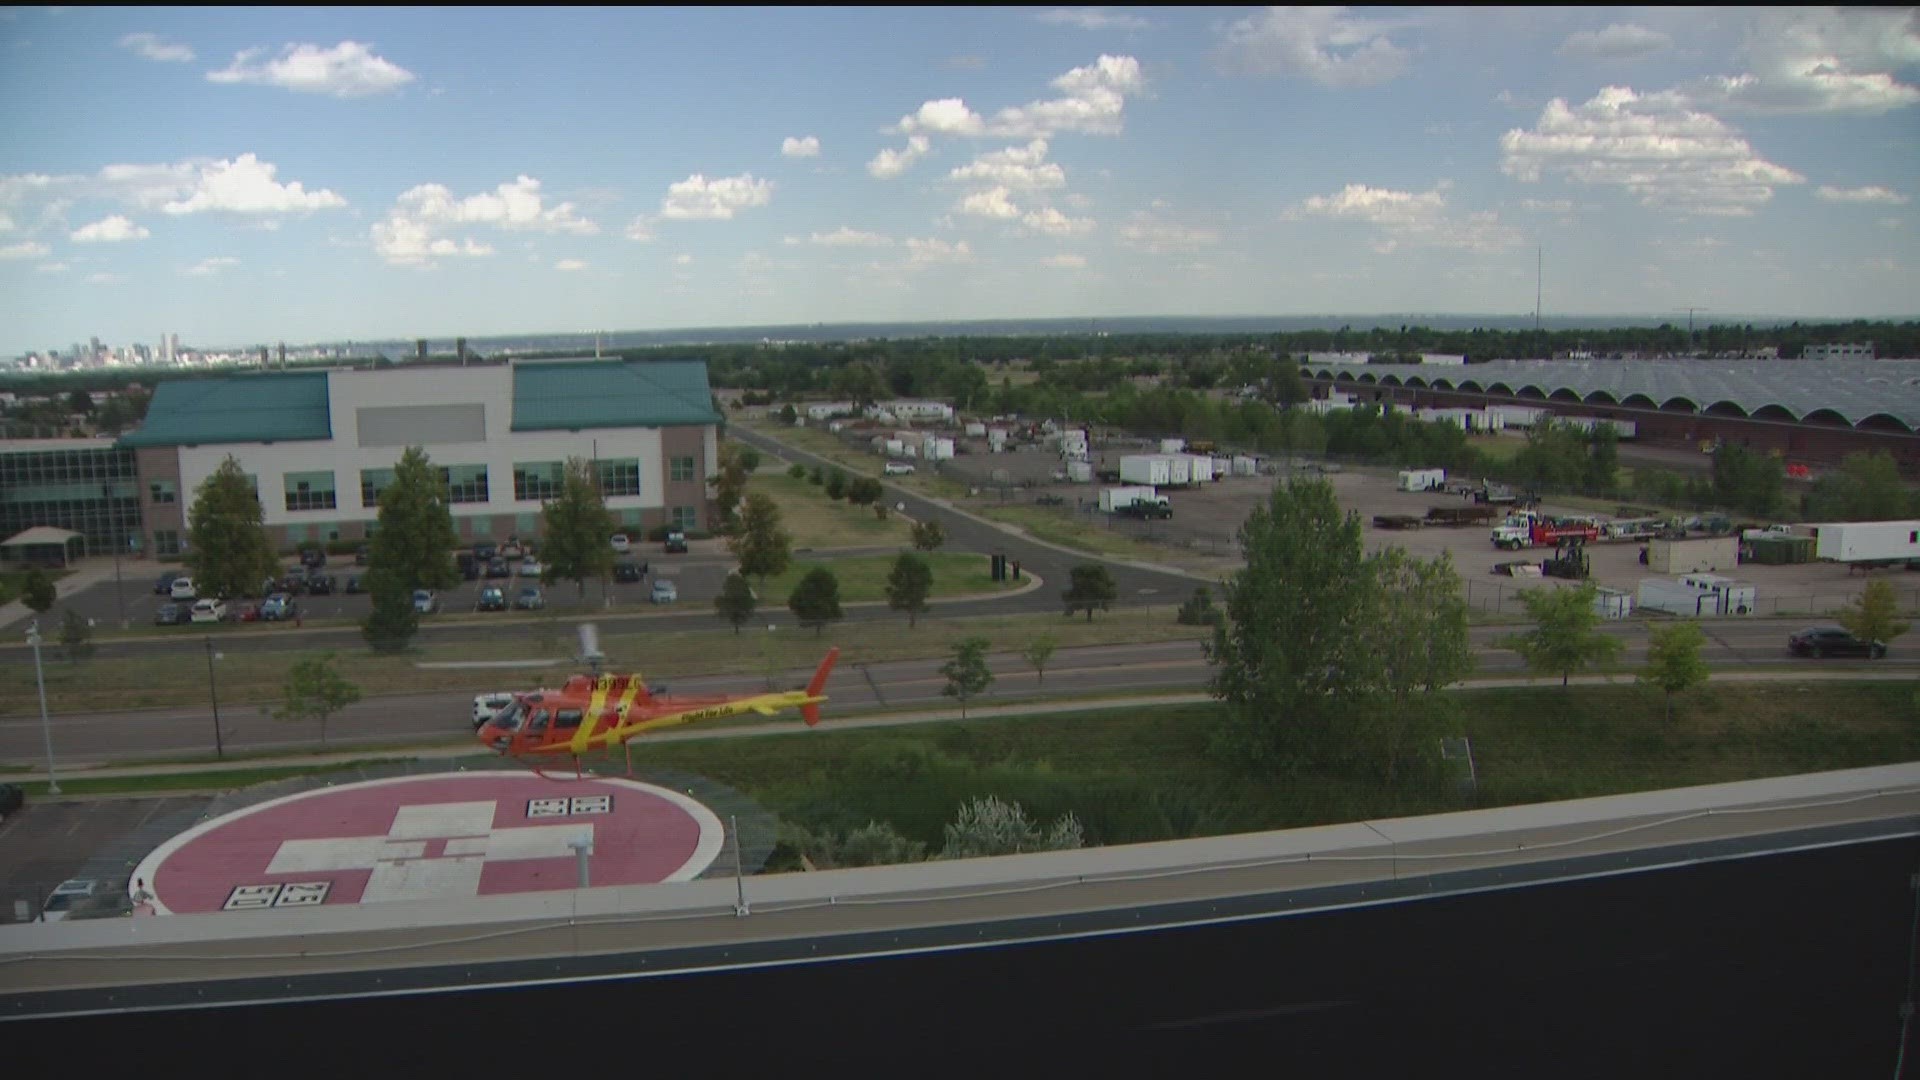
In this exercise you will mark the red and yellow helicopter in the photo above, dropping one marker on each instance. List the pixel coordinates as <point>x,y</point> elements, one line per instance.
<point>599,711</point>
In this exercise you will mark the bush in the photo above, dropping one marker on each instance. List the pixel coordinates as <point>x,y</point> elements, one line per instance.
<point>1199,610</point>
<point>988,826</point>
<point>798,472</point>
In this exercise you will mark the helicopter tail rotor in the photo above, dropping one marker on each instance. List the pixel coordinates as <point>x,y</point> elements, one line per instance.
<point>811,712</point>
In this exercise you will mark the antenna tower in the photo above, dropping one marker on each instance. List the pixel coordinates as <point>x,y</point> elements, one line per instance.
<point>1539,273</point>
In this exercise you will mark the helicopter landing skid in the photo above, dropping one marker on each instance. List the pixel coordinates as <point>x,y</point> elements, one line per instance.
<point>577,773</point>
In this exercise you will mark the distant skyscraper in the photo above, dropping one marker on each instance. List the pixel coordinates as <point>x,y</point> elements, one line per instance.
<point>460,346</point>
<point>420,348</point>
<point>283,354</point>
<point>166,348</point>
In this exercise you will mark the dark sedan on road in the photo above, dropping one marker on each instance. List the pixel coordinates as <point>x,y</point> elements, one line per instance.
<point>1819,641</point>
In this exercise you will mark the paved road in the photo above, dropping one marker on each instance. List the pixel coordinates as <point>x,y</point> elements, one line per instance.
<point>856,687</point>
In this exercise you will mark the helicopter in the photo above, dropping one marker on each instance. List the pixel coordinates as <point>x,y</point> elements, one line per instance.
<point>598,711</point>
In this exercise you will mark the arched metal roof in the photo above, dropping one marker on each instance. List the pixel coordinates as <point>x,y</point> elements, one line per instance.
<point>1816,391</point>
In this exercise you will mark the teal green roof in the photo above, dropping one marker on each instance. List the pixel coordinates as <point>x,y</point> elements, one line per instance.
<point>577,394</point>
<point>236,409</point>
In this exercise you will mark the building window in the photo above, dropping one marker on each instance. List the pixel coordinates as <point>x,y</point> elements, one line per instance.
<point>621,477</point>
<point>162,491</point>
<point>682,469</point>
<point>465,483</point>
<point>372,483</point>
<point>683,518</point>
<point>166,542</point>
<point>310,491</point>
<point>537,481</point>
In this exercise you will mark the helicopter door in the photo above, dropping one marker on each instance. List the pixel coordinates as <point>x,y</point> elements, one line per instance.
<point>537,727</point>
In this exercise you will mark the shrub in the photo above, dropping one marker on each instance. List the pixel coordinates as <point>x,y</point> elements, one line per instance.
<point>987,826</point>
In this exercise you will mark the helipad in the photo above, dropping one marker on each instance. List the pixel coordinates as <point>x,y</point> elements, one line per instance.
<point>446,836</point>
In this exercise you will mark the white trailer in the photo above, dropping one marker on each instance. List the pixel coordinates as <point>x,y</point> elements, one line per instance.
<point>976,430</point>
<point>1180,471</point>
<point>936,449</point>
<point>1153,469</point>
<point>1246,466</point>
<point>1866,541</point>
<point>895,448</point>
<point>1080,472</point>
<point>1199,468</point>
<point>1736,597</point>
<point>1114,498</point>
<point>1222,468</point>
<point>1422,479</point>
<point>1172,446</point>
<point>1693,556</point>
<point>1673,597</point>
<point>1612,603</point>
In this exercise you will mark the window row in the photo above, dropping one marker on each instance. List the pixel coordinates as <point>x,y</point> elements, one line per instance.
<point>536,481</point>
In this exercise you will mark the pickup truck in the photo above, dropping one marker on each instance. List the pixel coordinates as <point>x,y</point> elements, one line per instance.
<point>1146,509</point>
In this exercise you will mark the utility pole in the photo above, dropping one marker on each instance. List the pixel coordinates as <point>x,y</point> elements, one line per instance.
<point>1690,311</point>
<point>1539,276</point>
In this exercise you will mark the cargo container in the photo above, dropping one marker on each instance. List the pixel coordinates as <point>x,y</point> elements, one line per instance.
<point>1114,498</point>
<point>1222,468</point>
<point>1736,597</point>
<point>976,429</point>
<point>1612,603</point>
<point>1422,479</point>
<point>1867,541</point>
<point>1780,549</point>
<point>1692,556</point>
<point>1080,472</point>
<point>1245,466</point>
<point>1146,469</point>
<point>1662,594</point>
<point>1172,446</point>
<point>936,449</point>
<point>1199,468</point>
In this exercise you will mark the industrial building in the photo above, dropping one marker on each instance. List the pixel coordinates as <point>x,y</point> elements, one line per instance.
<point>320,445</point>
<point>1815,413</point>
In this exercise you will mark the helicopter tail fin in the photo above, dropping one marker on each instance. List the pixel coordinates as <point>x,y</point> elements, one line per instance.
<point>811,713</point>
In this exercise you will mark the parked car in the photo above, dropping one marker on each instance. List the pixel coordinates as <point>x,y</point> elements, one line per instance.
<point>664,592</point>
<point>486,705</point>
<point>676,542</point>
<point>182,589</point>
<point>497,568</point>
<point>484,551</point>
<point>170,615</point>
<point>530,567</point>
<point>897,468</point>
<point>208,609</point>
<point>65,896</point>
<point>512,549</point>
<point>530,599</point>
<point>628,570</point>
<point>164,587</point>
<point>12,797</point>
<point>1819,641</point>
<point>313,557</point>
<point>353,586</point>
<point>278,607</point>
<point>425,602</point>
<point>247,613</point>
<point>320,584</point>
<point>492,599</point>
<point>361,553</point>
<point>621,542</point>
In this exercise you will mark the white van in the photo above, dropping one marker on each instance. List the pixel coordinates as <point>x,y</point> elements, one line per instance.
<point>486,705</point>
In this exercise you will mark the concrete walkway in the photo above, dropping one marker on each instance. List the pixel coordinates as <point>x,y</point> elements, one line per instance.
<point>136,578</point>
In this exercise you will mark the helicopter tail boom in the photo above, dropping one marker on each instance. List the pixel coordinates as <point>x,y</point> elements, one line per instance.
<point>810,712</point>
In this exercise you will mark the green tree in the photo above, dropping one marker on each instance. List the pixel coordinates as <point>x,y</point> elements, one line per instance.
<point>315,690</point>
<point>730,483</point>
<point>967,674</point>
<point>1291,656</point>
<point>788,414</point>
<point>414,540</point>
<point>76,635</point>
<point>1199,609</point>
<point>37,591</point>
<point>797,471</point>
<point>928,535</point>
<point>865,491</point>
<point>735,602</point>
<point>815,601</point>
<point>228,551</point>
<point>1416,641</point>
<point>1746,480</point>
<point>909,586</point>
<point>816,476</point>
<point>575,527</point>
<point>763,548</point>
<point>1874,615</point>
<point>1673,660</point>
<point>836,485</point>
<point>987,826</point>
<point>1566,636</point>
<point>1603,459</point>
<point>1092,588</point>
<point>1867,487</point>
<point>1038,653</point>
<point>390,626</point>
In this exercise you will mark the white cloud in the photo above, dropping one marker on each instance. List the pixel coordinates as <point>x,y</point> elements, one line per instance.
<point>1326,45</point>
<point>6,223</point>
<point>890,163</point>
<point>570,264</point>
<point>1410,218</point>
<point>800,148</point>
<point>1093,98</point>
<point>1054,223</point>
<point>246,185</point>
<point>516,205</point>
<point>1820,60</point>
<point>641,228</point>
<point>1872,193</point>
<point>104,278</point>
<point>347,70</point>
<point>26,249</point>
<point>1547,206</point>
<point>845,237</point>
<point>683,259</point>
<point>51,268</point>
<point>212,266</point>
<point>1091,18</point>
<point>151,47</point>
<point>1157,236</point>
<point>1620,41</point>
<point>109,230</point>
<point>698,199</point>
<point>937,251</point>
<point>1653,146</point>
<point>1018,168</point>
<point>991,203</point>
<point>1065,262</point>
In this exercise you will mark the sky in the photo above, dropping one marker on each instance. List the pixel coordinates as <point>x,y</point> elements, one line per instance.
<point>254,175</point>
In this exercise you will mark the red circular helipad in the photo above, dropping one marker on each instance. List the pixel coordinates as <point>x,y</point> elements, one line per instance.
<point>447,836</point>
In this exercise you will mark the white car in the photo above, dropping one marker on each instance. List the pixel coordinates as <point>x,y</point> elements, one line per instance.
<point>425,602</point>
<point>898,468</point>
<point>485,706</point>
<point>622,542</point>
<point>209,610</point>
<point>530,567</point>
<point>183,588</point>
<point>664,592</point>
<point>60,903</point>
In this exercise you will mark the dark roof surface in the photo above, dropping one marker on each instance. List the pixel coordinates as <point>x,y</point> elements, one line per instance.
<point>237,409</point>
<point>568,394</point>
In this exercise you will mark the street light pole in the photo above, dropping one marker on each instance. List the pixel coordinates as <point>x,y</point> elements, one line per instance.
<point>120,603</point>
<point>46,729</point>
<point>219,747</point>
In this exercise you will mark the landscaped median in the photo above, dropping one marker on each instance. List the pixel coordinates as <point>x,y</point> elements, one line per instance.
<point>1143,769</point>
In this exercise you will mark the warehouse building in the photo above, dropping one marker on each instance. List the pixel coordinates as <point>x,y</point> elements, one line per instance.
<point>321,445</point>
<point>1813,413</point>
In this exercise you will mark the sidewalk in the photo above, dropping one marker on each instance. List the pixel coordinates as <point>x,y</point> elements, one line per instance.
<point>86,574</point>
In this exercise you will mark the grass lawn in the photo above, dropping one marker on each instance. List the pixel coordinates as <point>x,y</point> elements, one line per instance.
<point>249,679</point>
<point>865,577</point>
<point>816,521</point>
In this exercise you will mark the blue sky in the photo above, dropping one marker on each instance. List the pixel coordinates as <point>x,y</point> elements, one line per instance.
<point>259,175</point>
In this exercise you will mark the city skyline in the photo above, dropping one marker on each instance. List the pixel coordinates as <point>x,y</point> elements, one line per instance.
<point>263,175</point>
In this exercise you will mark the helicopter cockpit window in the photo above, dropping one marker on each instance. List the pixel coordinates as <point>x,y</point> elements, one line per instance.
<point>567,718</point>
<point>508,719</point>
<point>539,723</point>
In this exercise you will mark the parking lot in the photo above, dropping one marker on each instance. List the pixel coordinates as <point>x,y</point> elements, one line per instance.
<point>46,843</point>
